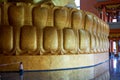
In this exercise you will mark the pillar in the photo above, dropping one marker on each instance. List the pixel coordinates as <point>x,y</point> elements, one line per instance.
<point>109,17</point>
<point>104,16</point>
<point>119,45</point>
<point>111,46</point>
<point>118,16</point>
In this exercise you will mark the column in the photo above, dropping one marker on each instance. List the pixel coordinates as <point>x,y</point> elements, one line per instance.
<point>104,16</point>
<point>109,17</point>
<point>118,45</point>
<point>118,16</point>
<point>111,45</point>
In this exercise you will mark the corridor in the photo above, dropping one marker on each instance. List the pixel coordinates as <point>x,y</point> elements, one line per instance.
<point>115,68</point>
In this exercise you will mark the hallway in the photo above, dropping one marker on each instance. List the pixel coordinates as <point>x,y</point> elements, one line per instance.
<point>115,68</point>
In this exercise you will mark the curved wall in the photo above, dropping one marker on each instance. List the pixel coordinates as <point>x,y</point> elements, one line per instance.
<point>43,29</point>
<point>48,37</point>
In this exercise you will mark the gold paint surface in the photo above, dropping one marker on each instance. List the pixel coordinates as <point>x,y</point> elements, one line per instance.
<point>47,62</point>
<point>44,35</point>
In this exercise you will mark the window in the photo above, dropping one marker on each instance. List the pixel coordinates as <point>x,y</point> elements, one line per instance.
<point>114,47</point>
<point>114,20</point>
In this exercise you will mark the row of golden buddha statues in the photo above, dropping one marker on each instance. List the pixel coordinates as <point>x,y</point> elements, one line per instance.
<point>44,29</point>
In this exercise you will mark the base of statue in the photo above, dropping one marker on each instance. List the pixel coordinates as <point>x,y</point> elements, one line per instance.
<point>87,66</point>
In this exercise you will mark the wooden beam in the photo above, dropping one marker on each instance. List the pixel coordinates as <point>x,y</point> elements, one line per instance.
<point>99,4</point>
<point>114,30</point>
<point>112,10</point>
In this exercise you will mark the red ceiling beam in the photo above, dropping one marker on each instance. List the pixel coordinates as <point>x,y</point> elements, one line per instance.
<point>114,30</point>
<point>114,38</point>
<point>113,10</point>
<point>99,4</point>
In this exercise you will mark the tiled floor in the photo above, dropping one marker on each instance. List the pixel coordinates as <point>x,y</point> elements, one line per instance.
<point>115,68</point>
<point>114,73</point>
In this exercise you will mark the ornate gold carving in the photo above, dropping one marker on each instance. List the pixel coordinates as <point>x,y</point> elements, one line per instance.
<point>28,39</point>
<point>6,39</point>
<point>50,40</point>
<point>16,15</point>
<point>69,42</point>
<point>61,18</point>
<point>40,15</point>
<point>48,29</point>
